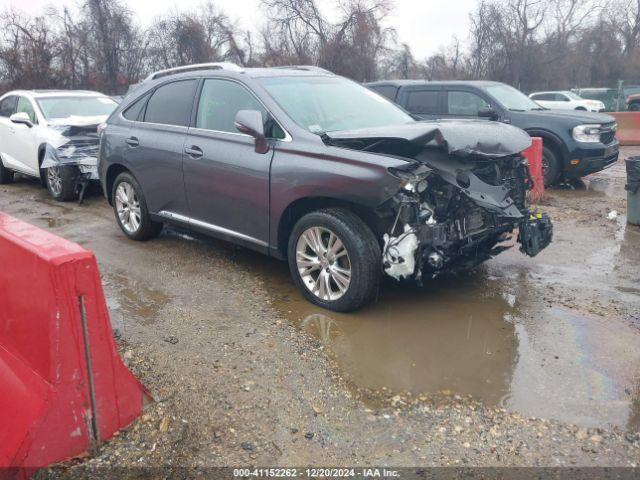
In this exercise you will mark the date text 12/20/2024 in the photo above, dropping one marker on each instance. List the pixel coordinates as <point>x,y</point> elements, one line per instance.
<point>315,473</point>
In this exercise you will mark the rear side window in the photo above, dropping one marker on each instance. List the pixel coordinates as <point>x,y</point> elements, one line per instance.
<point>136,110</point>
<point>465,103</point>
<point>424,101</point>
<point>171,104</point>
<point>8,106</point>
<point>388,91</point>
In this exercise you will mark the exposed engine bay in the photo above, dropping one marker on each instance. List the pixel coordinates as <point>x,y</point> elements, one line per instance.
<point>463,195</point>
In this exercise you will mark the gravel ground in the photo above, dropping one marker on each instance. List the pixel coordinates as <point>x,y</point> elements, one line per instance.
<point>213,331</point>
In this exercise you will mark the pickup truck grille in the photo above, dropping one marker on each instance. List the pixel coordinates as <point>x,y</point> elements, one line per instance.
<point>608,133</point>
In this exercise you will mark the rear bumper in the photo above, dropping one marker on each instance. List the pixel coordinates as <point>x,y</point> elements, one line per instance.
<point>591,159</point>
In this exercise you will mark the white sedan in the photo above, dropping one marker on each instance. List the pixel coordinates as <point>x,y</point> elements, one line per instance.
<point>566,100</point>
<point>52,135</point>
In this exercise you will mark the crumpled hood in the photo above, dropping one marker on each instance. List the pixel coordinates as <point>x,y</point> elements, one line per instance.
<point>78,121</point>
<point>459,137</point>
<point>75,126</point>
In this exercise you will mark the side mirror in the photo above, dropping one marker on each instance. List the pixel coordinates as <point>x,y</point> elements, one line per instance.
<point>21,117</point>
<point>489,113</point>
<point>250,122</point>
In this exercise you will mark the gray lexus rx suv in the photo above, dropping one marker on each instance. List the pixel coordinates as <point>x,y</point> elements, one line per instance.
<point>315,169</point>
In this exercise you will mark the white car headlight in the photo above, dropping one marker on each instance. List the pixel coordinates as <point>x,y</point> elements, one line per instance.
<point>587,133</point>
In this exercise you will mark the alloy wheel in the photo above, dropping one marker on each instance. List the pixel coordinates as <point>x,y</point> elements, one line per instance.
<point>55,180</point>
<point>323,263</point>
<point>128,207</point>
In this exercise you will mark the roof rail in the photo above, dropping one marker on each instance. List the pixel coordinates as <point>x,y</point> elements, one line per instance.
<point>198,66</point>
<point>309,68</point>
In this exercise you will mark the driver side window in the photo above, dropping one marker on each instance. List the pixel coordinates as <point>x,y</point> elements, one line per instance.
<point>221,100</point>
<point>24,105</point>
<point>465,103</point>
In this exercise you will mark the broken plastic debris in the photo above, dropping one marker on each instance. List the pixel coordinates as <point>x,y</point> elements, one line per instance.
<point>399,257</point>
<point>613,214</point>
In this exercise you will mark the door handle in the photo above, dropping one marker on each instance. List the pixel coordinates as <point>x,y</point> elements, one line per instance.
<point>132,142</point>
<point>194,151</point>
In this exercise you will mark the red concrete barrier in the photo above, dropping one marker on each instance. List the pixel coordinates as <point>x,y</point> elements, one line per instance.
<point>534,155</point>
<point>628,127</point>
<point>63,386</point>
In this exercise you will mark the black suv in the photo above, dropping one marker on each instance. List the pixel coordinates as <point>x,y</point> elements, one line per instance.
<point>303,165</point>
<point>575,143</point>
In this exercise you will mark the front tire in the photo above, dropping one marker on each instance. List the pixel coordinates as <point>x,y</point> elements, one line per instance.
<point>6,175</point>
<point>62,182</point>
<point>634,107</point>
<point>130,208</point>
<point>335,260</point>
<point>551,168</point>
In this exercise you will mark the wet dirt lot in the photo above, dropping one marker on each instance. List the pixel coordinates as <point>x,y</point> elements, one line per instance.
<point>519,362</point>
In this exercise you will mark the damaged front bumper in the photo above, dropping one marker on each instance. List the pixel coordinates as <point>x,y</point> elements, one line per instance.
<point>82,155</point>
<point>463,195</point>
<point>76,143</point>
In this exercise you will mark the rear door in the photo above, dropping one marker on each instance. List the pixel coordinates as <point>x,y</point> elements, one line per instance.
<point>153,144</point>
<point>425,103</point>
<point>226,181</point>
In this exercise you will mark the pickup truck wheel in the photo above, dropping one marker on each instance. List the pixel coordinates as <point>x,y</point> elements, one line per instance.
<point>6,175</point>
<point>334,260</point>
<point>130,208</point>
<point>62,182</point>
<point>550,166</point>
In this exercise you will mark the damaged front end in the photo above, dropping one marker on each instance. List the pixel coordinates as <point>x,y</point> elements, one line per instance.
<point>75,144</point>
<point>463,195</point>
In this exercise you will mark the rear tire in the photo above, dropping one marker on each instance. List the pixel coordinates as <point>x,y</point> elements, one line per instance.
<point>335,260</point>
<point>130,208</point>
<point>634,107</point>
<point>551,168</point>
<point>62,182</point>
<point>6,175</point>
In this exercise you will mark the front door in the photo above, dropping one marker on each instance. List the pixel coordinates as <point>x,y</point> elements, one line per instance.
<point>226,181</point>
<point>464,104</point>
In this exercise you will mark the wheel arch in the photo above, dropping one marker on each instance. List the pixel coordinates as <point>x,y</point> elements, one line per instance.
<point>550,140</point>
<point>112,173</point>
<point>301,206</point>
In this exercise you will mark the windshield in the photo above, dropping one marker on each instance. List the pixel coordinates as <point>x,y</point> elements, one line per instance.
<point>327,104</point>
<point>55,108</point>
<point>512,99</point>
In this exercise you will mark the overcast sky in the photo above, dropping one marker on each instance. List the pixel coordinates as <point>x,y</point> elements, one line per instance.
<point>426,25</point>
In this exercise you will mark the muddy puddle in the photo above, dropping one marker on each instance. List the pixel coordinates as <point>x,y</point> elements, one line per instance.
<point>489,335</point>
<point>595,187</point>
<point>129,301</point>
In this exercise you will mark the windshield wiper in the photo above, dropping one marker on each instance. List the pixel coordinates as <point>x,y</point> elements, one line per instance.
<point>516,110</point>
